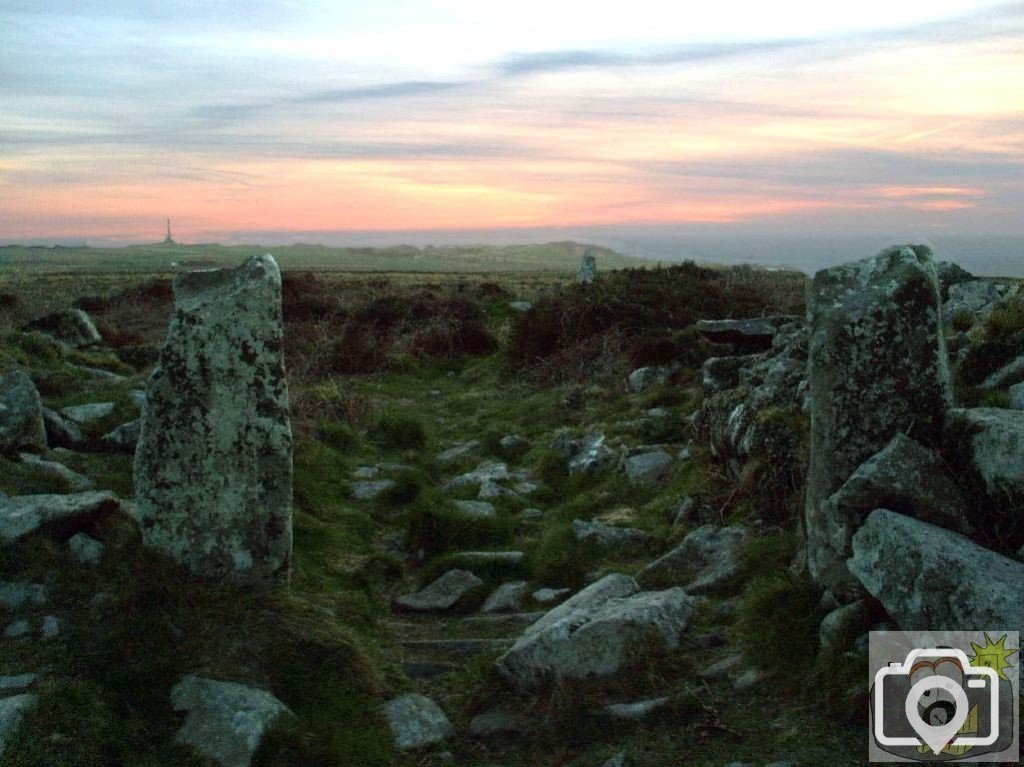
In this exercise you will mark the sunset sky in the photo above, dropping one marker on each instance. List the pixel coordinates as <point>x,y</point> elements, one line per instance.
<point>293,116</point>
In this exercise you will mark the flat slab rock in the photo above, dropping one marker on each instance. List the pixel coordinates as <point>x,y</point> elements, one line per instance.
<point>226,721</point>
<point>442,594</point>
<point>756,333</point>
<point>213,467</point>
<point>417,722</point>
<point>25,514</point>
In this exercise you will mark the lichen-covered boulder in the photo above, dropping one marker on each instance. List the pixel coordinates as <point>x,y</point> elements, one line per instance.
<point>928,578</point>
<point>21,414</point>
<point>991,441</point>
<point>876,367</point>
<point>72,326</point>
<point>213,467</point>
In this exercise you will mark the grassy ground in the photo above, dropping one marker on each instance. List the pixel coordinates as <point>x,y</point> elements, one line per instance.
<point>329,645</point>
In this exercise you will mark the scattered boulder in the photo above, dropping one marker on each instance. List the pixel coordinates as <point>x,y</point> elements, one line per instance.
<point>88,413</point>
<point>906,477</point>
<point>490,490</point>
<point>14,595</point>
<point>592,456</point>
<point>610,536</point>
<point>636,711</point>
<point>24,514</point>
<point>50,626</point>
<point>507,598</point>
<point>12,711</point>
<point>596,641</point>
<point>843,625</point>
<point>514,443</point>
<point>647,468</point>
<point>19,629</point>
<point>929,578</point>
<point>84,549</point>
<point>71,326</point>
<point>879,314</point>
<point>644,379</point>
<point>213,468</point>
<point>587,271</point>
<point>547,596</point>
<point>708,559</point>
<point>125,438</point>
<point>475,509</point>
<point>754,334</point>
<point>488,471</point>
<point>992,441</point>
<point>458,452</point>
<point>21,414</point>
<point>61,431</point>
<point>417,722</point>
<point>721,373</point>
<point>974,299</point>
<point>226,721</point>
<point>950,274</point>
<point>75,481</point>
<point>520,306</point>
<point>367,491</point>
<point>442,594</point>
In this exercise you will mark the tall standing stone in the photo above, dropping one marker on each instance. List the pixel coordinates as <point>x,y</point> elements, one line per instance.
<point>213,467</point>
<point>877,367</point>
<point>587,271</point>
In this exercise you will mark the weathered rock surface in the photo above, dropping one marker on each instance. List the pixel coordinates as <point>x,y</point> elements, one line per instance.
<point>596,641</point>
<point>458,452</point>
<point>594,595</point>
<point>72,326</point>
<point>637,710</point>
<point>15,595</point>
<point>721,373</point>
<point>507,598</point>
<point>643,379</point>
<point>754,334</point>
<point>877,367</point>
<point>226,721</point>
<point>587,271</point>
<point>475,509</point>
<point>500,720</point>
<point>12,711</point>
<point>610,536</point>
<point>992,441</point>
<point>75,481</point>
<point>929,578</point>
<point>488,471</point>
<point>61,431</point>
<point>905,477</point>
<point>84,549</point>
<point>124,438</point>
<point>370,489</point>
<point>647,468</point>
<point>21,414</point>
<point>24,514</point>
<point>951,274</point>
<point>1010,373</point>
<point>213,468</point>
<point>417,722</point>
<point>89,412</point>
<point>1017,396</point>
<point>442,594</point>
<point>973,298</point>
<point>707,559</point>
<point>591,455</point>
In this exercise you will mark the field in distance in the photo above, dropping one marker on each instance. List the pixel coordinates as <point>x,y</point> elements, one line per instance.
<point>553,257</point>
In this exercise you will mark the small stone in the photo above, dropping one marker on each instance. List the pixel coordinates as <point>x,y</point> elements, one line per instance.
<point>458,452</point>
<point>417,722</point>
<point>366,472</point>
<point>507,598</point>
<point>18,629</point>
<point>722,667</point>
<point>514,442</point>
<point>637,711</point>
<point>1017,396</point>
<point>648,468</point>
<point>12,712</point>
<point>85,414</point>
<point>61,431</point>
<point>520,306</point>
<point>367,491</point>
<point>593,456</point>
<point>84,549</point>
<point>491,490</point>
<point>71,326</point>
<point>475,509</point>
<point>547,596</point>
<point>124,438</point>
<point>500,720</point>
<point>749,678</point>
<point>17,682</point>
<point>24,514</point>
<point>619,760</point>
<point>609,536</point>
<point>75,481</point>
<point>51,626</point>
<point>531,515</point>
<point>138,397</point>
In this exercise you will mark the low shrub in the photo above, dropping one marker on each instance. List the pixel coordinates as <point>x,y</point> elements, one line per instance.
<point>398,431</point>
<point>435,528</point>
<point>339,436</point>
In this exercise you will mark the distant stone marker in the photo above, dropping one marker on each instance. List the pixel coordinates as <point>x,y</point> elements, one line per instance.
<point>588,268</point>
<point>213,467</point>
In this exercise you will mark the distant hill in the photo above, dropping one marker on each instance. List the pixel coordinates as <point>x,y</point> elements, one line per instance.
<point>553,256</point>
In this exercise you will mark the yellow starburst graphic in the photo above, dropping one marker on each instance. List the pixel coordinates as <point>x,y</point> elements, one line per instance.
<point>992,655</point>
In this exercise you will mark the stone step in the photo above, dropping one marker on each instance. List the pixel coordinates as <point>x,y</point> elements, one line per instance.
<point>457,646</point>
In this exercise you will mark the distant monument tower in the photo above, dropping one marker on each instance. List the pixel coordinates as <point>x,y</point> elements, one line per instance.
<point>168,240</point>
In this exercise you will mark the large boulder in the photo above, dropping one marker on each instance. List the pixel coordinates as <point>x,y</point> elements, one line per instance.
<point>991,440</point>
<point>907,477</point>
<point>877,367</point>
<point>213,467</point>
<point>597,641</point>
<point>226,721</point>
<point>929,578</point>
<point>72,326</point>
<point>21,414</point>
